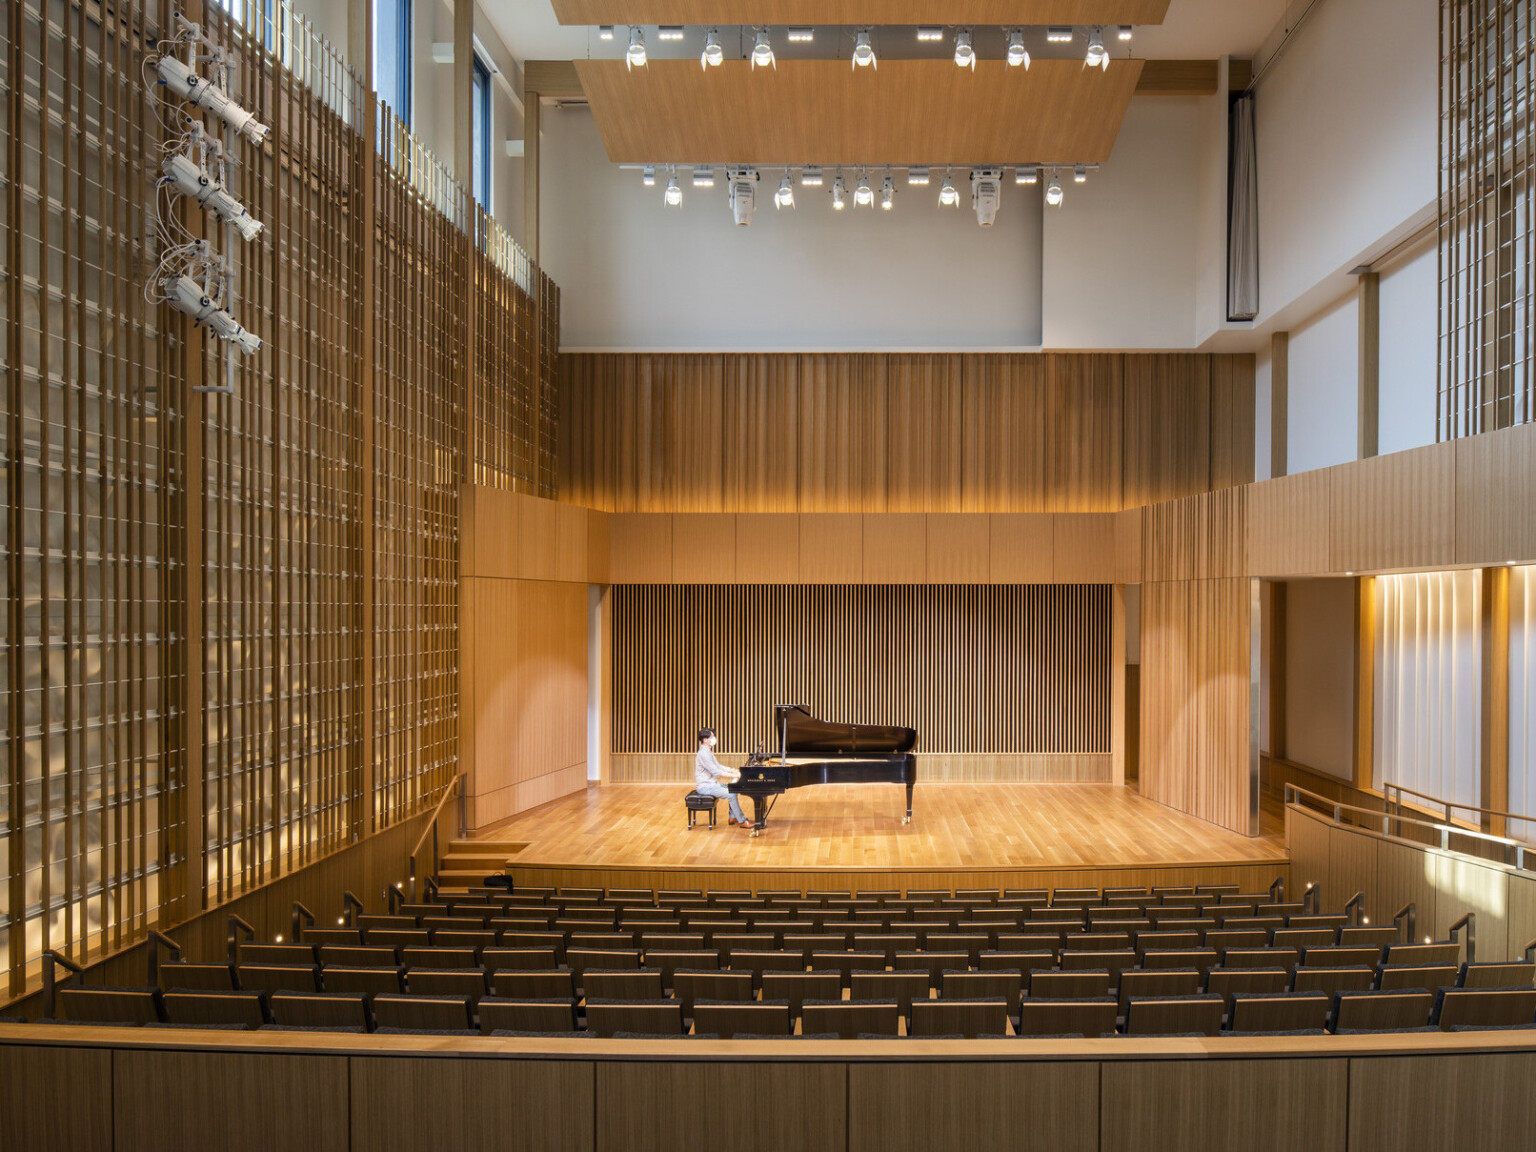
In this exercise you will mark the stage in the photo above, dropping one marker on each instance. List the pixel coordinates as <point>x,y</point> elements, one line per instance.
<point>851,836</point>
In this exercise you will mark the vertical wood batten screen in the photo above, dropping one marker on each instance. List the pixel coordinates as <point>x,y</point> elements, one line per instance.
<point>92,798</point>
<point>1522,699</point>
<point>1004,669</point>
<point>1429,682</point>
<point>1487,215</point>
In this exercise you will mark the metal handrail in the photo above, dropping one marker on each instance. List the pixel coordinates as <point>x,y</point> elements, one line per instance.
<point>1469,922</point>
<point>1511,847</point>
<point>51,958</point>
<point>158,940</point>
<point>235,926</point>
<point>1312,899</point>
<point>1355,903</point>
<point>299,918</point>
<point>430,888</point>
<point>1277,890</point>
<point>455,787</point>
<point>1410,911</point>
<point>1394,793</point>
<point>1530,952</point>
<point>393,898</point>
<point>350,907</point>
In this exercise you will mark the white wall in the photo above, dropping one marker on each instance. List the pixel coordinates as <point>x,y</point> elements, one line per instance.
<point>634,274</point>
<point>1324,389</point>
<point>1409,351</point>
<point>1120,254</point>
<point>1346,124</point>
<point>1263,407</point>
<point>1320,675</point>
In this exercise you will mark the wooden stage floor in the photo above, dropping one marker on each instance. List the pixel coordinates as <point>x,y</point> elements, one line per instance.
<point>624,835</point>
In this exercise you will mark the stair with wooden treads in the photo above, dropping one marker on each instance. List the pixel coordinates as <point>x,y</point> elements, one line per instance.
<point>468,862</point>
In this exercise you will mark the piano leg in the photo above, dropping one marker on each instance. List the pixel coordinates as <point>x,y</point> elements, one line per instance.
<point>759,817</point>
<point>908,817</point>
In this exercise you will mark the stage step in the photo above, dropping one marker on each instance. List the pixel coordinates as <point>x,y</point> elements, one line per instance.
<point>468,862</point>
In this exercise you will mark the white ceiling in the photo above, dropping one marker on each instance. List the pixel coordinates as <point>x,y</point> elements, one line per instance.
<point>1195,30</point>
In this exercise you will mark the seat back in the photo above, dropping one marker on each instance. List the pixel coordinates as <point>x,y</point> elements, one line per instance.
<point>1069,985</point>
<point>423,1013</point>
<point>1001,983</point>
<point>978,1017</point>
<point>690,985</point>
<point>1517,975</point>
<point>580,959</point>
<point>1287,958</point>
<point>197,977</point>
<point>851,1018</point>
<point>267,955</point>
<point>527,1014</point>
<point>439,957</point>
<point>1331,980</point>
<point>1484,1007</point>
<point>467,982</point>
<point>667,962</point>
<point>278,977</point>
<point>1279,1012</point>
<point>504,959</point>
<point>319,1009</point>
<point>1398,1008</point>
<point>1157,982</point>
<point>1352,935</point>
<point>1202,958</point>
<point>1090,1016</point>
<point>1224,982</point>
<point>902,985</point>
<point>358,956</point>
<point>365,980</point>
<point>1172,1015</point>
<point>741,1017</point>
<point>798,987</point>
<point>110,1005</point>
<point>651,1015</point>
<point>1442,952</point>
<point>1341,956</point>
<point>623,984</point>
<point>1391,977</point>
<point>534,984</point>
<point>204,1009</point>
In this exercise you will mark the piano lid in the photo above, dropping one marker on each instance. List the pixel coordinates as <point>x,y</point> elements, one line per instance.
<point>804,735</point>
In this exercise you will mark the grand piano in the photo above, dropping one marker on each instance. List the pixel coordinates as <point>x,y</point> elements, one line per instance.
<point>813,751</point>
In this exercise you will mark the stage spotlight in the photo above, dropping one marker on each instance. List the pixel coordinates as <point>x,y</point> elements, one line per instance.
<point>186,295</point>
<point>839,193</point>
<point>785,196</point>
<point>713,55</point>
<point>948,197</point>
<point>1059,35</point>
<point>704,176</point>
<point>762,52</point>
<point>929,34</point>
<point>1080,174</point>
<point>187,84</point>
<point>1026,174</point>
<point>188,177</point>
<point>743,194</point>
<point>965,55</point>
<point>888,192</point>
<point>810,176</point>
<point>1126,33</point>
<point>673,196</point>
<point>863,194</point>
<point>669,33</point>
<point>605,31</point>
<point>634,57</point>
<point>917,177</point>
<point>864,51</point>
<point>648,176</point>
<point>800,35</point>
<point>1098,55</point>
<point>986,194</point>
<point>1017,52</point>
<point>1053,193</point>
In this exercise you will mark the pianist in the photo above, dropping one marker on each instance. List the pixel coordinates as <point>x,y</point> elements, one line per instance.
<point>708,772</point>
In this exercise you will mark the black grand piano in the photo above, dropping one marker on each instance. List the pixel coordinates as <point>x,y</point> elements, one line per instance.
<point>813,751</point>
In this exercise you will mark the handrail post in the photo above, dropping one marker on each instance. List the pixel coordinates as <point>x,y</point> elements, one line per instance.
<point>392,897</point>
<point>1530,952</point>
<point>299,918</point>
<point>50,958</point>
<point>350,906</point>
<point>235,926</point>
<point>1278,887</point>
<point>1355,905</point>
<point>431,888</point>
<point>1469,921</point>
<point>1311,899</point>
<point>412,866</point>
<point>156,941</point>
<point>1410,912</point>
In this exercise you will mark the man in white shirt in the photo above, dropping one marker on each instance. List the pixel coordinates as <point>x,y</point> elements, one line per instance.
<point>708,772</point>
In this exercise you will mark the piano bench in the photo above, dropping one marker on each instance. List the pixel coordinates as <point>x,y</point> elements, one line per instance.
<point>697,802</point>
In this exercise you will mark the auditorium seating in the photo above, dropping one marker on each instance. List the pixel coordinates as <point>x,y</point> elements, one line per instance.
<point>932,964</point>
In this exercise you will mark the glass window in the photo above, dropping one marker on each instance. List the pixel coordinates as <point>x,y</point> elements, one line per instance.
<point>392,55</point>
<point>480,107</point>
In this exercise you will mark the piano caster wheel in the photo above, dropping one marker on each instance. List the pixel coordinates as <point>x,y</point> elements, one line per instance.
<point>906,819</point>
<point>756,832</point>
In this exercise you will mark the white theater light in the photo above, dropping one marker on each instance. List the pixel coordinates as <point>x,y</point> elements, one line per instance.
<point>1126,33</point>
<point>1080,174</point>
<point>800,35</point>
<point>929,35</point>
<point>186,295</point>
<point>1053,193</point>
<point>810,176</point>
<point>1017,53</point>
<point>713,55</point>
<point>648,175</point>
<point>863,194</point>
<point>762,51</point>
<point>917,177</point>
<point>785,196</point>
<point>189,178</point>
<point>1026,174</point>
<point>839,193</point>
<point>743,194</point>
<point>605,31</point>
<point>986,194</point>
<point>1098,55</point>
<point>673,196</point>
<point>965,55</point>
<point>864,51</point>
<point>187,84</point>
<point>948,197</point>
<point>635,56</point>
<point>888,192</point>
<point>704,176</point>
<point>1059,35</point>
<point>669,32</point>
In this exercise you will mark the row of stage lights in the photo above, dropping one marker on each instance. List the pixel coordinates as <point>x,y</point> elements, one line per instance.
<point>863,55</point>
<point>986,187</point>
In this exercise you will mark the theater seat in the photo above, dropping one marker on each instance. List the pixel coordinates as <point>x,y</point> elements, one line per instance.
<point>422,1013</point>
<point>216,1009</point>
<point>1174,1015</point>
<point>197,977</point>
<point>530,1015</point>
<point>111,1005</point>
<point>849,1019</point>
<point>325,1010</point>
<point>1455,1007</point>
<point>978,1017</point>
<point>1087,1016</point>
<point>1395,1008</point>
<point>655,1017</point>
<point>1279,1012</point>
<point>747,1017</point>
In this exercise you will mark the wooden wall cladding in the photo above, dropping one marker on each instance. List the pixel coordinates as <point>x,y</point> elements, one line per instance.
<point>1018,670</point>
<point>1194,715</point>
<point>901,433</point>
<point>524,706</point>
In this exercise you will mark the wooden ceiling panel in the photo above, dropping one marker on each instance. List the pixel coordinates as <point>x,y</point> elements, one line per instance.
<point>824,13</point>
<point>822,112</point>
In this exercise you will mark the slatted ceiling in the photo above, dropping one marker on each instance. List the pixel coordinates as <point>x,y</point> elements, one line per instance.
<point>823,112</point>
<point>1001,669</point>
<point>847,12</point>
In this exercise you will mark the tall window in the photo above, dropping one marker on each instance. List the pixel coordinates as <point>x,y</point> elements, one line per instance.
<point>392,55</point>
<point>480,108</point>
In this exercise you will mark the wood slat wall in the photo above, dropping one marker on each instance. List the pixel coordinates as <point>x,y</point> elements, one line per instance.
<point>990,671</point>
<point>901,433</point>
